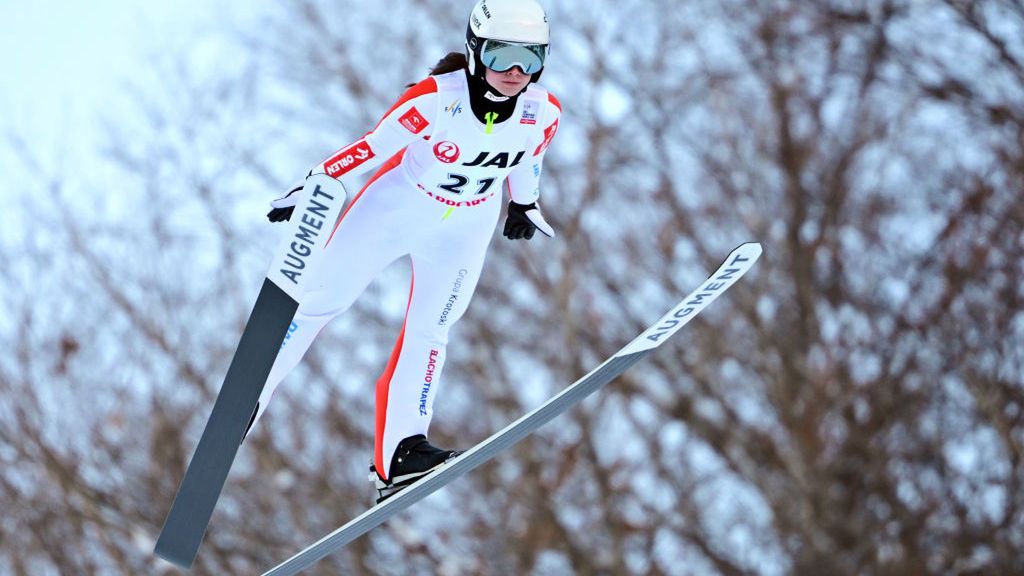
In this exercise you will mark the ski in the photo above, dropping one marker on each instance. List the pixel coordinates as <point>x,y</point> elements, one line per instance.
<point>735,266</point>
<point>310,227</point>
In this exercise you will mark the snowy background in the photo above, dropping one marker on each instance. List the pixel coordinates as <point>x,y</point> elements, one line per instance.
<point>853,406</point>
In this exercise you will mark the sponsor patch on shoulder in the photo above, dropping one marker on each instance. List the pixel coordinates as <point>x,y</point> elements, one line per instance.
<point>413,121</point>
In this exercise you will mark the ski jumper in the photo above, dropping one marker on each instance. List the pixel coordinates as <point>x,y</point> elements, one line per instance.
<point>436,197</point>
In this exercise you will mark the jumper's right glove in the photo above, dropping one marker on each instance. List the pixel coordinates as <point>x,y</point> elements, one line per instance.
<point>284,206</point>
<point>525,219</point>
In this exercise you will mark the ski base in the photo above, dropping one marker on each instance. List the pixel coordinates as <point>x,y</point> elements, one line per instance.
<point>316,212</point>
<point>193,506</point>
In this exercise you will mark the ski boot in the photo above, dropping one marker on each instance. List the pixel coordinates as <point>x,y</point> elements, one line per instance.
<point>414,458</point>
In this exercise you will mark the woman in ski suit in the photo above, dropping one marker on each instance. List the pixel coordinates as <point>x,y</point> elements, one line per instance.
<point>442,153</point>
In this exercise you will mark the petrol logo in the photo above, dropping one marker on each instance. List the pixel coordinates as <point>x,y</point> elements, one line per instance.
<point>347,159</point>
<point>413,121</point>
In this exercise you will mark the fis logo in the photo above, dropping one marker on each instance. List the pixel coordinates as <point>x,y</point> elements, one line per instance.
<point>455,108</point>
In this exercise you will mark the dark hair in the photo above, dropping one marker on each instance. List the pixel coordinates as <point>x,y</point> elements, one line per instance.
<point>450,63</point>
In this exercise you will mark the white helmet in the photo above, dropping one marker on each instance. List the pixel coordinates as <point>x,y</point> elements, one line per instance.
<point>506,33</point>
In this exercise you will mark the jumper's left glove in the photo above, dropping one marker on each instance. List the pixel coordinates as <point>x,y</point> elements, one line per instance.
<point>284,206</point>
<point>525,219</point>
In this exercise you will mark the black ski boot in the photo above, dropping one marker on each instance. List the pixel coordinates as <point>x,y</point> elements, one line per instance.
<point>414,458</point>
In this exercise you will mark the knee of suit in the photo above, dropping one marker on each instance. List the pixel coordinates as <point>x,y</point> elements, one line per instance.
<point>433,336</point>
<point>316,310</point>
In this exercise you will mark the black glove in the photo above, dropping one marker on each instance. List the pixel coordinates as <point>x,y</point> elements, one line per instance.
<point>280,214</point>
<point>284,206</point>
<point>523,220</point>
<point>517,225</point>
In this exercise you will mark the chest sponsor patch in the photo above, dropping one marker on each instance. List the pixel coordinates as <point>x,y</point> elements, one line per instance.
<point>499,160</point>
<point>413,121</point>
<point>530,109</point>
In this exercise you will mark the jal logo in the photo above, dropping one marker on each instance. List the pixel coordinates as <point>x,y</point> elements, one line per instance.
<point>454,108</point>
<point>499,160</point>
<point>446,151</point>
<point>413,121</point>
<point>529,113</point>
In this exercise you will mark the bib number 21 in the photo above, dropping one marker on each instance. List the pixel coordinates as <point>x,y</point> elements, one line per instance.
<point>458,182</point>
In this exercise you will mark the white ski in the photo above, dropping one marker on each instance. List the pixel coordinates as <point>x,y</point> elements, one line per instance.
<point>735,266</point>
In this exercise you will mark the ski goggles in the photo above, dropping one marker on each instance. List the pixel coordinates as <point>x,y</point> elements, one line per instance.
<point>502,56</point>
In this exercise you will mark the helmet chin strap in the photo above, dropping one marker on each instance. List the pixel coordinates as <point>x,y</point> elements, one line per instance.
<point>471,58</point>
<point>495,96</point>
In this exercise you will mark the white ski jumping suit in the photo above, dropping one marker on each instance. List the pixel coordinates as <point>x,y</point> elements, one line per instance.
<point>436,198</point>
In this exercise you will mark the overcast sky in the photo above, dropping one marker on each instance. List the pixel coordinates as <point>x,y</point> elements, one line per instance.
<point>65,61</point>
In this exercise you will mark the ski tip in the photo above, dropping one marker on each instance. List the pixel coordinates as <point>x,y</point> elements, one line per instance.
<point>752,250</point>
<point>179,558</point>
<point>740,260</point>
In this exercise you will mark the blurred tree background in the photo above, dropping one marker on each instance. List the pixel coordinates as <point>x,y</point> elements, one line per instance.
<point>854,406</point>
